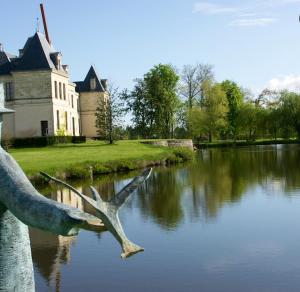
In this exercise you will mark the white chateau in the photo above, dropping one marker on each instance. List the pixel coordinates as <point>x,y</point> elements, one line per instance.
<point>46,103</point>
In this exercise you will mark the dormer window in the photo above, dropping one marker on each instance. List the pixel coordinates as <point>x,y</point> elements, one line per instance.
<point>93,83</point>
<point>56,59</point>
<point>58,62</point>
<point>65,68</point>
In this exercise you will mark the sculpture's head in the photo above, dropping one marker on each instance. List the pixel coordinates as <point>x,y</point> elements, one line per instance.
<point>3,110</point>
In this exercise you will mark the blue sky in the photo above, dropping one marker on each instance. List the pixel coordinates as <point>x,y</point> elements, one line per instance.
<point>255,43</point>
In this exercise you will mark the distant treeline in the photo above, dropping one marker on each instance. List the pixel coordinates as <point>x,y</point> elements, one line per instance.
<point>190,103</point>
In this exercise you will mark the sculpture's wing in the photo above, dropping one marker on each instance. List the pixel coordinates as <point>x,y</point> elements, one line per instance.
<point>95,194</point>
<point>84,197</point>
<point>120,198</point>
<point>108,211</point>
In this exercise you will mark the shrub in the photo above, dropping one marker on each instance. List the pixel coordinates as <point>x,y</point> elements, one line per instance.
<point>46,141</point>
<point>31,142</point>
<point>78,171</point>
<point>171,158</point>
<point>121,165</point>
<point>184,154</point>
<point>78,139</point>
<point>99,168</point>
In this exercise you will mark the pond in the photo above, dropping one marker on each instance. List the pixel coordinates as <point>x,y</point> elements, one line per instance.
<point>226,222</point>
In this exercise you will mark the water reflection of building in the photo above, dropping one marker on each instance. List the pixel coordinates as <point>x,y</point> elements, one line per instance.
<point>67,197</point>
<point>50,251</point>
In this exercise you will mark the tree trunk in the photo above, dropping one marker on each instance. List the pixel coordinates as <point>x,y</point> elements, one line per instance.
<point>297,127</point>
<point>190,96</point>
<point>209,137</point>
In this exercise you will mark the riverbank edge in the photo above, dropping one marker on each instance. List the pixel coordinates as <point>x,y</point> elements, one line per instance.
<point>232,144</point>
<point>90,169</point>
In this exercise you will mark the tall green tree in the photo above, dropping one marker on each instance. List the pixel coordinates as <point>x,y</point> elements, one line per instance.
<point>154,103</point>
<point>248,120</point>
<point>291,110</point>
<point>235,98</point>
<point>161,85</point>
<point>211,117</point>
<point>270,101</point>
<point>138,103</point>
<point>109,116</point>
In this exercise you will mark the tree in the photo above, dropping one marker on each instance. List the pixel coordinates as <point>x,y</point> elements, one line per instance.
<point>161,85</point>
<point>154,102</point>
<point>291,110</point>
<point>192,79</point>
<point>181,130</point>
<point>211,117</point>
<point>109,115</point>
<point>197,123</point>
<point>247,120</point>
<point>270,100</point>
<point>138,103</point>
<point>274,119</point>
<point>268,97</point>
<point>235,97</point>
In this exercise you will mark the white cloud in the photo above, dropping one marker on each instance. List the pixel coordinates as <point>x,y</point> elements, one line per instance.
<point>289,82</point>
<point>277,2</point>
<point>211,8</point>
<point>242,15</point>
<point>246,13</point>
<point>259,21</point>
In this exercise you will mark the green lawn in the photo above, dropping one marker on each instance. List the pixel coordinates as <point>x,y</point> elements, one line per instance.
<point>60,157</point>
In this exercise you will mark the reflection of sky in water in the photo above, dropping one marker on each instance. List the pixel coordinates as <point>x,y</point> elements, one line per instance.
<point>227,222</point>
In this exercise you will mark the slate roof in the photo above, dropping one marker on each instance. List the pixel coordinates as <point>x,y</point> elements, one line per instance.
<point>36,54</point>
<point>5,63</point>
<point>85,86</point>
<point>5,57</point>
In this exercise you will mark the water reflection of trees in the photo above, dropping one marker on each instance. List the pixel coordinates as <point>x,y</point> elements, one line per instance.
<point>220,176</point>
<point>193,192</point>
<point>200,189</point>
<point>159,198</point>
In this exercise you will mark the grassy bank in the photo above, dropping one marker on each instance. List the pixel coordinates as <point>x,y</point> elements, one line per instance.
<point>77,161</point>
<point>220,144</point>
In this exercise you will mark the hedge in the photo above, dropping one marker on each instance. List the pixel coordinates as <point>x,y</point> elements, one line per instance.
<point>43,141</point>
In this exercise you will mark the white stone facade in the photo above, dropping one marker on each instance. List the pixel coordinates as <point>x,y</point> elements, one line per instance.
<point>40,109</point>
<point>88,105</point>
<point>46,103</point>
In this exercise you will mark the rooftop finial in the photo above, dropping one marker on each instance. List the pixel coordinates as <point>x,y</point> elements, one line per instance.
<point>45,23</point>
<point>37,24</point>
